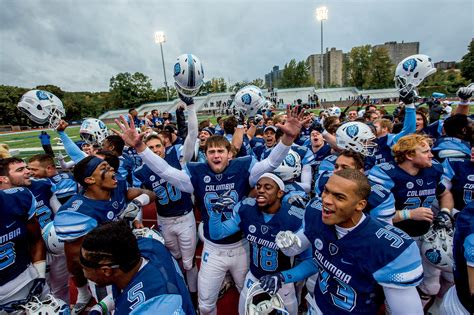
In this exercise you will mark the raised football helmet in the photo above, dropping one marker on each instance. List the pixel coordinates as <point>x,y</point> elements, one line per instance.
<point>42,107</point>
<point>149,233</point>
<point>356,136</point>
<point>437,247</point>
<point>53,244</point>
<point>290,168</point>
<point>248,100</point>
<point>411,71</point>
<point>259,302</point>
<point>93,131</point>
<point>188,75</point>
<point>49,306</point>
<point>334,111</point>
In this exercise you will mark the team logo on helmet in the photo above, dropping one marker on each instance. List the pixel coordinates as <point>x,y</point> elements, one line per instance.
<point>247,99</point>
<point>410,65</point>
<point>290,160</point>
<point>352,130</point>
<point>177,68</point>
<point>42,95</point>
<point>433,256</point>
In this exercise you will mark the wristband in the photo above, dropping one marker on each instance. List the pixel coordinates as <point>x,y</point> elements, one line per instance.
<point>142,200</point>
<point>446,210</point>
<point>240,126</point>
<point>40,266</point>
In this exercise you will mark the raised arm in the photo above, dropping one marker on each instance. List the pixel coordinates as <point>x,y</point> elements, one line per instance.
<point>71,148</point>
<point>190,141</point>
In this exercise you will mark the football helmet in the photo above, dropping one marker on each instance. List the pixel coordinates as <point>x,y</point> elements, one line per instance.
<point>42,107</point>
<point>49,306</point>
<point>149,233</point>
<point>356,136</point>
<point>411,71</point>
<point>93,131</point>
<point>259,302</point>
<point>53,244</point>
<point>290,168</point>
<point>248,100</point>
<point>437,247</point>
<point>334,111</point>
<point>188,75</point>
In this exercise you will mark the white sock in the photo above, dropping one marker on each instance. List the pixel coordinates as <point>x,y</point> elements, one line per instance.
<point>83,294</point>
<point>191,278</point>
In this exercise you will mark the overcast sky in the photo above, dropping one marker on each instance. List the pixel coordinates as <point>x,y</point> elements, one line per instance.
<point>79,45</point>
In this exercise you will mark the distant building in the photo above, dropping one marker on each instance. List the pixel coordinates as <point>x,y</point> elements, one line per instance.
<point>272,78</point>
<point>333,62</point>
<point>399,51</point>
<point>445,65</point>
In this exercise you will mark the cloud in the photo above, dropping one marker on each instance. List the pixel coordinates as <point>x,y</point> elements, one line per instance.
<point>80,45</point>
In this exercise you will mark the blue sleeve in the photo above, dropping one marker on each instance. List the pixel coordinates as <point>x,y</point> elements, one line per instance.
<point>71,148</point>
<point>469,250</point>
<point>302,271</point>
<point>218,229</point>
<point>162,304</point>
<point>377,175</point>
<point>448,172</point>
<point>308,158</point>
<point>404,271</point>
<point>31,204</point>
<point>409,126</point>
<point>381,203</point>
<point>71,225</point>
<point>306,254</point>
<point>320,181</point>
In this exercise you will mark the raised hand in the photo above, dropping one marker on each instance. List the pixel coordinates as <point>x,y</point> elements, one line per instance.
<point>62,126</point>
<point>292,126</point>
<point>287,239</point>
<point>129,134</point>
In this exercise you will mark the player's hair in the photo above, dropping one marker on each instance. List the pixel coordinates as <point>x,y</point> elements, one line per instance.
<point>111,158</point>
<point>423,116</point>
<point>217,141</point>
<point>356,156</point>
<point>4,151</point>
<point>5,164</point>
<point>384,123</point>
<point>153,137</point>
<point>112,243</point>
<point>117,142</point>
<point>406,146</point>
<point>229,125</point>
<point>331,124</point>
<point>166,134</point>
<point>363,185</point>
<point>131,110</point>
<point>79,169</point>
<point>44,159</point>
<point>454,125</point>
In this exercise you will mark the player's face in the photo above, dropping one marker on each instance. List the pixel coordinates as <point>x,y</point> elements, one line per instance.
<point>104,176</point>
<point>37,170</point>
<point>19,175</point>
<point>423,156</point>
<point>218,158</point>
<point>87,148</point>
<point>268,195</point>
<point>341,205</point>
<point>157,147</point>
<point>352,115</point>
<point>98,275</point>
<point>419,122</point>
<point>203,135</point>
<point>106,145</point>
<point>270,138</point>
<point>316,138</point>
<point>380,131</point>
<point>344,162</point>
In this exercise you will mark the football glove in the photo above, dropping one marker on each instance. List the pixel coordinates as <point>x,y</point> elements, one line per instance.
<point>132,210</point>
<point>408,97</point>
<point>186,99</point>
<point>272,283</point>
<point>286,239</point>
<point>464,93</point>
<point>443,219</point>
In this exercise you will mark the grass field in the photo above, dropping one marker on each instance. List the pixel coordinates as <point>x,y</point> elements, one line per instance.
<point>28,143</point>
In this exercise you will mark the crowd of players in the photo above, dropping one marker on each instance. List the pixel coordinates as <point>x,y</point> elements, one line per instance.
<point>366,211</point>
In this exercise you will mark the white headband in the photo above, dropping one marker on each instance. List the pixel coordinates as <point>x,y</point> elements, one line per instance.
<point>275,178</point>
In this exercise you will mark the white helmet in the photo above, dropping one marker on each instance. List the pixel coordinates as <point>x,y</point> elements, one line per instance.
<point>42,107</point>
<point>356,136</point>
<point>437,247</point>
<point>93,131</point>
<point>411,71</point>
<point>149,233</point>
<point>248,100</point>
<point>334,111</point>
<point>290,168</point>
<point>259,302</point>
<point>53,244</point>
<point>188,75</point>
<point>49,306</point>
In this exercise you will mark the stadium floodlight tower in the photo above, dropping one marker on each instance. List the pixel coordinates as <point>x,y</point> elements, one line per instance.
<point>321,15</point>
<point>160,38</point>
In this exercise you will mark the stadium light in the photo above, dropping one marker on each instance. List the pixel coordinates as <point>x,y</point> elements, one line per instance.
<point>321,15</point>
<point>160,38</point>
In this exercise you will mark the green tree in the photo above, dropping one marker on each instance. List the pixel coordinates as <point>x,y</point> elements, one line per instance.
<point>295,74</point>
<point>357,66</point>
<point>258,83</point>
<point>129,90</point>
<point>467,63</point>
<point>237,86</point>
<point>380,70</point>
<point>9,98</point>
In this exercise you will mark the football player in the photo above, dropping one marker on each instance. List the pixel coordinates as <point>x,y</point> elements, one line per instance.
<point>208,181</point>
<point>359,260</point>
<point>144,276</point>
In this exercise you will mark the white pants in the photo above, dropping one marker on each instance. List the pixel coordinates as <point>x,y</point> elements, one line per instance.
<point>180,237</point>
<point>451,304</point>
<point>58,276</point>
<point>287,293</point>
<point>216,260</point>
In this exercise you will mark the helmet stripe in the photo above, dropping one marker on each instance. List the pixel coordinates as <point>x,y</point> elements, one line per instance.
<point>191,70</point>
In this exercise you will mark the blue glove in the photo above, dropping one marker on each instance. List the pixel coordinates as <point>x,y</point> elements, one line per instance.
<point>37,288</point>
<point>96,310</point>
<point>186,99</point>
<point>408,97</point>
<point>443,219</point>
<point>222,202</point>
<point>272,283</point>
